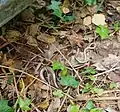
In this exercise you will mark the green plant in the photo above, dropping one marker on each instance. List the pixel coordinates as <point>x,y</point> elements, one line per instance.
<point>102,31</point>
<point>24,104</point>
<point>90,107</point>
<point>57,11</point>
<point>58,93</point>
<point>90,88</point>
<point>59,66</point>
<point>89,71</point>
<point>113,85</point>
<point>69,80</point>
<point>74,108</point>
<point>117,26</point>
<point>90,2</point>
<point>4,107</point>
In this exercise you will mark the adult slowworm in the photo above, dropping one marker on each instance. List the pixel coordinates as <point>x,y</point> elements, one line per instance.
<point>49,73</point>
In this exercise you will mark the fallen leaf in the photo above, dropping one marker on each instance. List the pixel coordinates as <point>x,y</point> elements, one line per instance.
<point>27,15</point>
<point>46,38</point>
<point>55,104</point>
<point>87,20</point>
<point>98,19</point>
<point>44,104</point>
<point>84,12</point>
<point>33,29</point>
<point>107,63</point>
<point>12,35</point>
<point>89,38</point>
<point>75,39</point>
<point>32,41</point>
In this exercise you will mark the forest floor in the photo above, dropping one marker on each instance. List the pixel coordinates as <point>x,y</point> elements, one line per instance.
<point>62,57</point>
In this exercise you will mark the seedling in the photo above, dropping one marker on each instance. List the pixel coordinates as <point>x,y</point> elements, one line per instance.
<point>57,11</point>
<point>102,31</point>
<point>90,107</point>
<point>90,88</point>
<point>89,71</point>
<point>24,104</point>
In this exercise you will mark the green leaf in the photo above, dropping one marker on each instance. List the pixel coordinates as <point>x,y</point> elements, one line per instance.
<point>54,5</point>
<point>10,80</point>
<point>4,106</point>
<point>102,31</point>
<point>24,104</point>
<point>90,71</point>
<point>116,26</point>
<point>91,77</point>
<point>90,2</point>
<point>67,18</point>
<point>74,108</point>
<point>97,110</point>
<point>84,110</point>
<point>58,93</point>
<point>58,13</point>
<point>87,88</point>
<point>90,105</point>
<point>58,66</point>
<point>98,91</point>
<point>113,85</point>
<point>69,81</point>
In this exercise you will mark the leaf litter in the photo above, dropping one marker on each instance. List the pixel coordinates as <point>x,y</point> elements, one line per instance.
<point>37,42</point>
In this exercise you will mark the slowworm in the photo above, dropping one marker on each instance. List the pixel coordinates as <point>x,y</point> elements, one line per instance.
<point>50,74</point>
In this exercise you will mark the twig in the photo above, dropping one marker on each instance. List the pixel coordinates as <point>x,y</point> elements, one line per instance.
<point>110,70</point>
<point>63,101</point>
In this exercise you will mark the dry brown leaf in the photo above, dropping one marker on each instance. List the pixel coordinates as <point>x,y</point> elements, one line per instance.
<point>12,35</point>
<point>46,38</point>
<point>27,15</point>
<point>98,19</point>
<point>55,104</point>
<point>33,30</point>
<point>87,20</point>
<point>84,12</point>
<point>76,39</point>
<point>32,41</point>
<point>44,104</point>
<point>107,63</point>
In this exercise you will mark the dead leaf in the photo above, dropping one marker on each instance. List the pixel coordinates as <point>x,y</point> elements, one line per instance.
<point>89,38</point>
<point>12,35</point>
<point>33,29</point>
<point>55,104</point>
<point>46,38</point>
<point>66,6</point>
<point>87,20</point>
<point>44,104</point>
<point>32,41</point>
<point>75,39</point>
<point>27,15</point>
<point>98,19</point>
<point>107,62</point>
<point>84,12</point>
